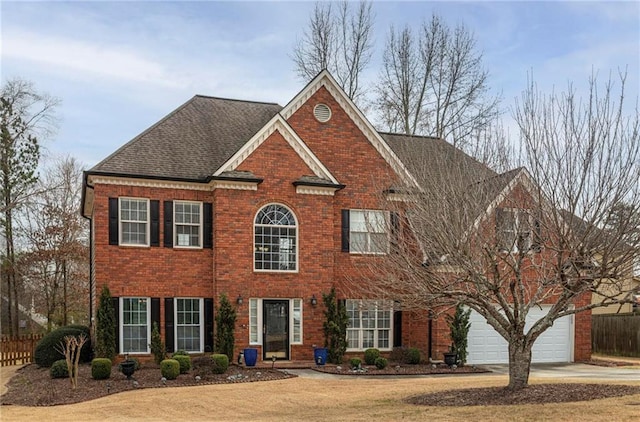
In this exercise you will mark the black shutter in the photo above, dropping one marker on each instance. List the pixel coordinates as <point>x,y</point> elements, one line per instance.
<point>113,221</point>
<point>501,241</point>
<point>345,230</point>
<point>154,230</point>
<point>155,312</point>
<point>168,224</point>
<point>115,302</point>
<point>395,228</point>
<point>208,324</point>
<point>207,225</point>
<point>397,329</point>
<point>168,324</point>
<point>536,245</point>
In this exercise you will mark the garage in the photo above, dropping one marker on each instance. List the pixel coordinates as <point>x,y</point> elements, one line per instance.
<point>486,346</point>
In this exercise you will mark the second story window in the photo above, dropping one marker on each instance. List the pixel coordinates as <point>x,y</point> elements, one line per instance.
<point>517,230</point>
<point>275,239</point>
<point>134,221</point>
<point>368,232</point>
<point>188,224</point>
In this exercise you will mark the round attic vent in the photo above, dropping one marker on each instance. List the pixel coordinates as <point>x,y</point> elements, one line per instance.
<point>322,113</point>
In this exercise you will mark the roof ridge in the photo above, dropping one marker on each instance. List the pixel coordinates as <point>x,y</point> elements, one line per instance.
<point>411,136</point>
<point>212,97</point>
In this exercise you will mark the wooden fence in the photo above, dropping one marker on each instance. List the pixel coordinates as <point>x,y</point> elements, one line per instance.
<point>616,334</point>
<point>18,350</point>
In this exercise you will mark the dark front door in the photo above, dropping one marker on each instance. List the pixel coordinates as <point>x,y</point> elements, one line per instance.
<point>275,331</point>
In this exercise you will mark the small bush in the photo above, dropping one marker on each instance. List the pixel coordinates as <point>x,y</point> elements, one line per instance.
<point>101,368</point>
<point>137,361</point>
<point>184,361</point>
<point>170,368</point>
<point>46,352</point>
<point>203,365</point>
<point>380,362</point>
<point>398,354</point>
<point>370,356</point>
<point>355,363</point>
<point>221,363</point>
<point>180,353</point>
<point>59,369</point>
<point>413,356</point>
<point>157,345</point>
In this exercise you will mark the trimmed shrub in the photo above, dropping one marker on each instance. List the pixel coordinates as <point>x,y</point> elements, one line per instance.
<point>184,361</point>
<point>101,368</point>
<point>170,368</point>
<point>380,362</point>
<point>46,352</point>
<point>157,345</point>
<point>105,327</point>
<point>355,363</point>
<point>370,356</point>
<point>221,363</point>
<point>59,369</point>
<point>203,365</point>
<point>225,327</point>
<point>180,353</point>
<point>413,356</point>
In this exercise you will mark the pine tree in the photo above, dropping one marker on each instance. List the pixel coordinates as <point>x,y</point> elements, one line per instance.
<point>225,327</point>
<point>335,327</point>
<point>106,327</point>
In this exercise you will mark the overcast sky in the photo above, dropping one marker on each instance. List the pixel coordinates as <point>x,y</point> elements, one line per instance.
<point>119,67</point>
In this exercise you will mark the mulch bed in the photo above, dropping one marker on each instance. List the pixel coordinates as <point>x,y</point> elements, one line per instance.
<point>532,394</point>
<point>402,369</point>
<point>32,386</point>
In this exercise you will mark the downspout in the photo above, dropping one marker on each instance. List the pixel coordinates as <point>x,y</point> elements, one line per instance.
<point>430,339</point>
<point>91,252</point>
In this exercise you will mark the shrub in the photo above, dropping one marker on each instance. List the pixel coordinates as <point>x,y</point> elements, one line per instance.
<point>459,329</point>
<point>106,327</point>
<point>170,369</point>
<point>221,363</point>
<point>380,362</point>
<point>46,352</point>
<point>59,369</point>
<point>398,354</point>
<point>225,326</point>
<point>184,361</point>
<point>203,365</point>
<point>334,327</point>
<point>180,353</point>
<point>370,356</point>
<point>355,363</point>
<point>413,355</point>
<point>157,345</point>
<point>100,368</point>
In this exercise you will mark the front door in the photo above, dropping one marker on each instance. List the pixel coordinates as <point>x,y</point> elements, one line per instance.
<point>275,331</point>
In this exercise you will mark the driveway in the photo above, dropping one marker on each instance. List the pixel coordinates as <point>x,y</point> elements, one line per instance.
<point>575,370</point>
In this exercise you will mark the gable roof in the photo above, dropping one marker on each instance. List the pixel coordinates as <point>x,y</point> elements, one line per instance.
<point>192,142</point>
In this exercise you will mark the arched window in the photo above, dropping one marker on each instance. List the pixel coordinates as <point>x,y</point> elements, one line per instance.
<point>275,239</point>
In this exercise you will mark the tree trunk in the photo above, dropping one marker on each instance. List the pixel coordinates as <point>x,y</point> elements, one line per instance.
<point>519,364</point>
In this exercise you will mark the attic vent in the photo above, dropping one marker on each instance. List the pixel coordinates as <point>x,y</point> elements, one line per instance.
<point>322,112</point>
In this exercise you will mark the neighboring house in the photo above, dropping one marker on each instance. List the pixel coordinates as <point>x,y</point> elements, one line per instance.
<point>269,205</point>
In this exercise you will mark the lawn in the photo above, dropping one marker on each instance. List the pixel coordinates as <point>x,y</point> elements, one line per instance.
<point>339,398</point>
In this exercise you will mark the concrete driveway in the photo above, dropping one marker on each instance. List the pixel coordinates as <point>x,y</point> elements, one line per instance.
<point>575,370</point>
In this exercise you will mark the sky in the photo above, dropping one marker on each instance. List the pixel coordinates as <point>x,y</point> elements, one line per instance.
<point>119,67</point>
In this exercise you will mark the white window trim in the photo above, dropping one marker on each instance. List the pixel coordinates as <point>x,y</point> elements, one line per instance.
<point>297,227</point>
<point>121,325</point>
<point>259,320</point>
<point>175,324</point>
<point>175,225</point>
<point>375,331</point>
<point>120,221</point>
<point>387,218</point>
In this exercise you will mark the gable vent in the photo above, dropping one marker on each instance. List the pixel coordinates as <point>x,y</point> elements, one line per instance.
<point>322,113</point>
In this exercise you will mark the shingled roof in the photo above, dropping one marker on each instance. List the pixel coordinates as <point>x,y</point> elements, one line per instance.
<point>192,142</point>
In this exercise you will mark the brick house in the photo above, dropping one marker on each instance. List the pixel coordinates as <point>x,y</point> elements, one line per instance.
<point>265,204</point>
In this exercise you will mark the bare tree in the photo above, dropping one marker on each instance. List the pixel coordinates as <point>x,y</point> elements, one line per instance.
<point>55,262</point>
<point>504,244</point>
<point>26,116</point>
<point>340,41</point>
<point>434,84</point>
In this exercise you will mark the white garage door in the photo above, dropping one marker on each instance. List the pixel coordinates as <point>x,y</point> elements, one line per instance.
<point>486,346</point>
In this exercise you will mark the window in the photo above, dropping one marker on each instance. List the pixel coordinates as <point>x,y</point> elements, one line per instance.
<point>188,224</point>
<point>188,324</point>
<point>253,322</point>
<point>275,239</point>
<point>296,316</point>
<point>368,232</point>
<point>517,230</point>
<point>369,324</point>
<point>134,221</point>
<point>136,332</point>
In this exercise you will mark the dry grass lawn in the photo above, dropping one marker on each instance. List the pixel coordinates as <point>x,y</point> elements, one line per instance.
<point>344,399</point>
